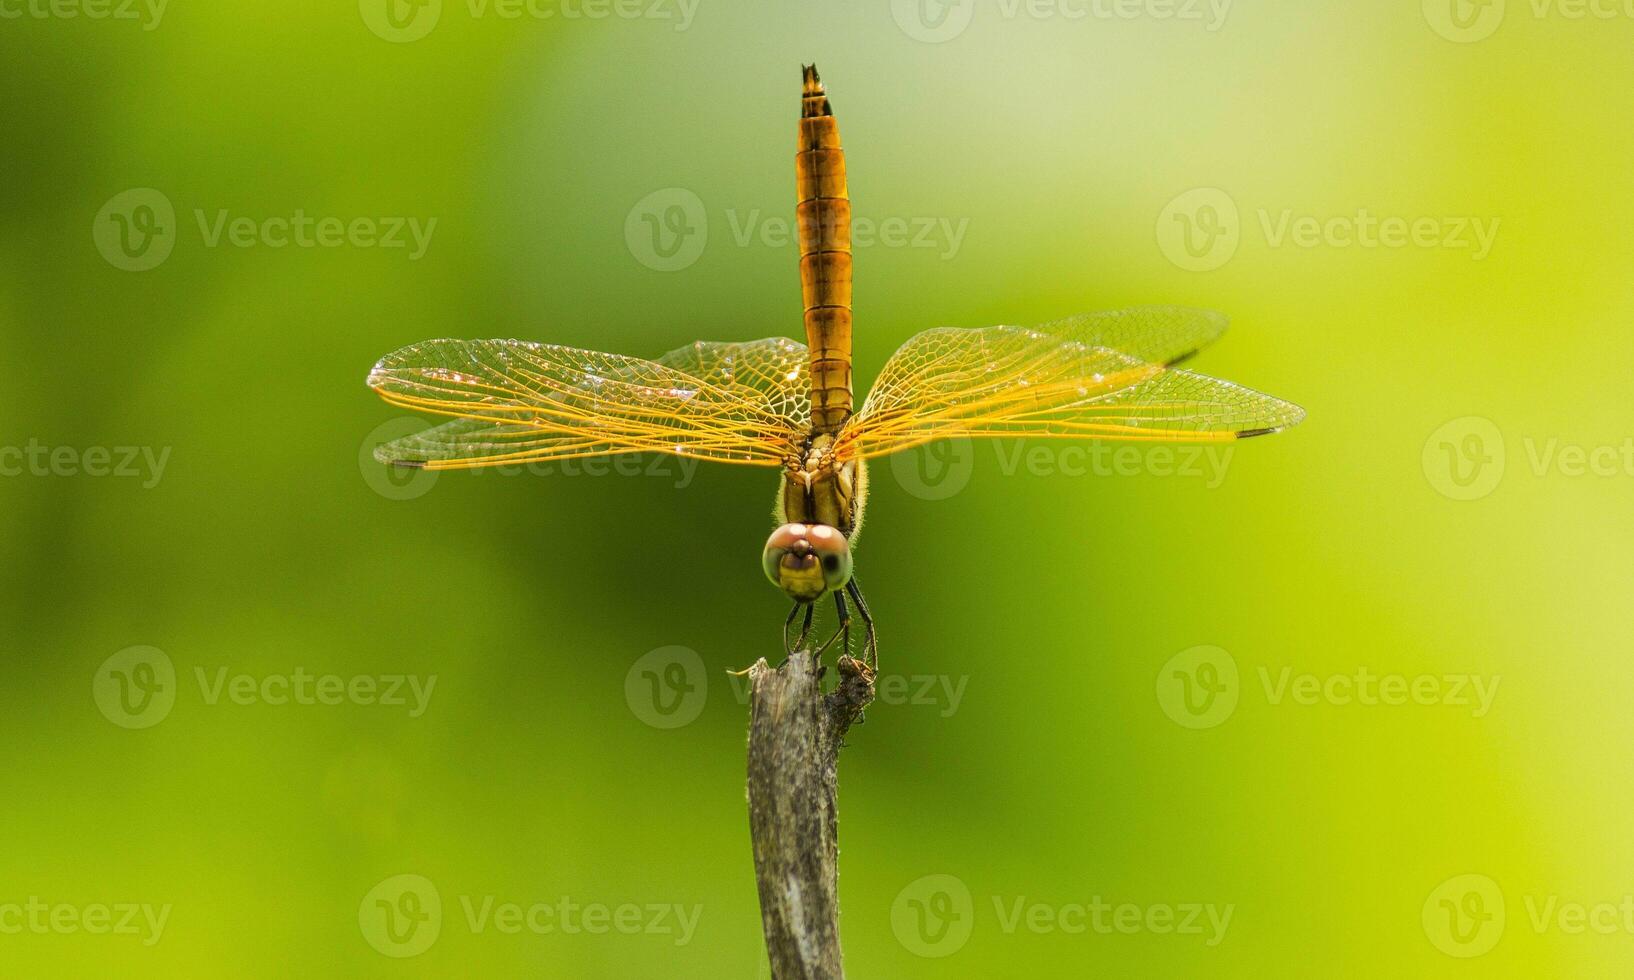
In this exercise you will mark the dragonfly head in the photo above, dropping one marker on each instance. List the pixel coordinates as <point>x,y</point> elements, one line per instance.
<point>807,560</point>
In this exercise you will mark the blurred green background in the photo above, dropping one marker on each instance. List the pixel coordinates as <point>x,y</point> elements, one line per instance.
<point>1455,507</point>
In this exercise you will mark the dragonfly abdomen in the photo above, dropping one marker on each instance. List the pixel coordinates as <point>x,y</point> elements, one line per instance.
<point>823,212</point>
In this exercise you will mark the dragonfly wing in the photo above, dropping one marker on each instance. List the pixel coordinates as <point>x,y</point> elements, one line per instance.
<point>770,372</point>
<point>493,443</point>
<point>517,401</point>
<point>1059,381</point>
<point>1164,335</point>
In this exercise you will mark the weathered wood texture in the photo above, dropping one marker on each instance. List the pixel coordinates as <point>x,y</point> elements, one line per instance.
<point>795,734</point>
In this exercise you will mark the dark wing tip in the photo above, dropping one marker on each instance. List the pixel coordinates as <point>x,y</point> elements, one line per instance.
<point>395,463</point>
<point>1251,433</point>
<point>1297,417</point>
<point>1215,318</point>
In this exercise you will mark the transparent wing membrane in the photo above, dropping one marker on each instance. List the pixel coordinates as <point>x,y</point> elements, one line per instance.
<point>480,442</point>
<point>1098,376</point>
<point>1161,335</point>
<point>770,373</point>
<point>516,401</point>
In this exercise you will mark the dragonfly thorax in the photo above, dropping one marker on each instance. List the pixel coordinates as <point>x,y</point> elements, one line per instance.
<point>821,489</point>
<point>819,512</point>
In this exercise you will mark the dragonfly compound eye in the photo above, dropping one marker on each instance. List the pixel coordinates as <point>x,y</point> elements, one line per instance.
<point>807,560</point>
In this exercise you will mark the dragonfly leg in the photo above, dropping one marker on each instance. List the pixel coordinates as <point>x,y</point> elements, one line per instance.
<point>845,626</point>
<point>845,620</point>
<point>805,624</point>
<point>870,638</point>
<point>788,648</point>
<point>805,628</point>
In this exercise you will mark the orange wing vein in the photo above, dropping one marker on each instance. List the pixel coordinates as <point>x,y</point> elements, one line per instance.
<point>1094,376</point>
<point>515,401</point>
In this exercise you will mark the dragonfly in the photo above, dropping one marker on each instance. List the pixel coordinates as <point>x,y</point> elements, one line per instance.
<point>781,404</point>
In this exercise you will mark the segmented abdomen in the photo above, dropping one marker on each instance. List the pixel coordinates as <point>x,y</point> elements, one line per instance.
<point>824,216</point>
